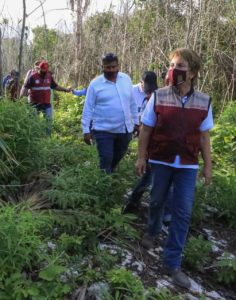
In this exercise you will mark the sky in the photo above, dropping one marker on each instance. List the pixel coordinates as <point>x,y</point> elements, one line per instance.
<point>56,11</point>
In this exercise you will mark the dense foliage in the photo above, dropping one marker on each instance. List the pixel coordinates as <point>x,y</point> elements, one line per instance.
<point>50,241</point>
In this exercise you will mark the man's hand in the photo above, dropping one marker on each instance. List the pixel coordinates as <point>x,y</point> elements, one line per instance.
<point>88,138</point>
<point>68,90</point>
<point>136,130</point>
<point>207,174</point>
<point>140,166</point>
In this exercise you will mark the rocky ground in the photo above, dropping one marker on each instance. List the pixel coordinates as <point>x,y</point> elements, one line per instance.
<point>146,264</point>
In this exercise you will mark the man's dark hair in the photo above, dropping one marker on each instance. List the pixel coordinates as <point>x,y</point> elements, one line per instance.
<point>109,57</point>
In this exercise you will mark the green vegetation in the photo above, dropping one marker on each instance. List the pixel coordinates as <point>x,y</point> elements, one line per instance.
<point>227,269</point>
<point>221,193</point>
<point>57,206</point>
<point>196,253</point>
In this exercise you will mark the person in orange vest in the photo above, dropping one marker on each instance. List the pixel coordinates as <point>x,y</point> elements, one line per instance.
<point>40,83</point>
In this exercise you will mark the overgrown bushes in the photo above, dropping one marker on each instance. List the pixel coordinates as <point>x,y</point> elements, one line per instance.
<point>52,252</point>
<point>21,134</point>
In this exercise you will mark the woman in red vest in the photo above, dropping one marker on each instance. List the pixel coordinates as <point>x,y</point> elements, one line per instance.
<point>175,129</point>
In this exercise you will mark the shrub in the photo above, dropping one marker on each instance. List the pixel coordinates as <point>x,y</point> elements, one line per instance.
<point>197,251</point>
<point>221,195</point>
<point>20,239</point>
<point>224,141</point>
<point>126,284</point>
<point>227,269</point>
<point>21,132</point>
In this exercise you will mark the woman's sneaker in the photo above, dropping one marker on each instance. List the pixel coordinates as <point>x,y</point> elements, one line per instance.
<point>148,241</point>
<point>179,278</point>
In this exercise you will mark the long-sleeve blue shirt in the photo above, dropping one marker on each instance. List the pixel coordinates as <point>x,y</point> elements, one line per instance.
<point>110,106</point>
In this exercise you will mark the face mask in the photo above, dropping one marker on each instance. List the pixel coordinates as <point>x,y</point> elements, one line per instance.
<point>110,75</point>
<point>176,76</point>
<point>42,73</point>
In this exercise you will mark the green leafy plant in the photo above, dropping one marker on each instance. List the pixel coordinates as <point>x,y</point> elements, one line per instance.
<point>124,282</point>
<point>227,269</point>
<point>221,195</point>
<point>6,164</point>
<point>224,140</point>
<point>17,286</point>
<point>21,133</point>
<point>20,239</point>
<point>163,294</point>
<point>197,251</point>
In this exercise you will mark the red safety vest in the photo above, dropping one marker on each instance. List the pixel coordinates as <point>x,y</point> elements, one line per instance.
<point>177,130</point>
<point>40,91</point>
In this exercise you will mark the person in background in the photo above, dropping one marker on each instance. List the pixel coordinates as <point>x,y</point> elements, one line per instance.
<point>142,93</point>
<point>111,109</point>
<point>175,128</point>
<point>39,84</point>
<point>8,76</point>
<point>10,85</point>
<point>149,86</point>
<point>139,94</point>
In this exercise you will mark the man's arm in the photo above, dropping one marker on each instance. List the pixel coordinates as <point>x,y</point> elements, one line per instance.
<point>62,89</point>
<point>59,88</point>
<point>144,138</point>
<point>28,82</point>
<point>206,155</point>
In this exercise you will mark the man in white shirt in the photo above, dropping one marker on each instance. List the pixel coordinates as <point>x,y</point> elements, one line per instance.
<point>110,113</point>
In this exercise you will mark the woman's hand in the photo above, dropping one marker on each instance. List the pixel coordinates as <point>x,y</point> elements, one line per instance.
<point>140,166</point>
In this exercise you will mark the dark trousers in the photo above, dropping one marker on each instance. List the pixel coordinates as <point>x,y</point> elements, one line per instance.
<point>111,148</point>
<point>142,186</point>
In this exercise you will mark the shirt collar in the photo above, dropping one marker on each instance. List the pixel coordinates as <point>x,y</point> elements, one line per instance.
<point>189,94</point>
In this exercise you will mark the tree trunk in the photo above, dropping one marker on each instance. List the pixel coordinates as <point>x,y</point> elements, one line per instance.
<point>81,9</point>
<point>21,43</point>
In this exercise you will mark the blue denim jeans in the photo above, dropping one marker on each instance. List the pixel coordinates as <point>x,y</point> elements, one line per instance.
<point>183,181</point>
<point>111,148</point>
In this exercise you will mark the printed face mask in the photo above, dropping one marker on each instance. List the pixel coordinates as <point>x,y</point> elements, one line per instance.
<point>176,76</point>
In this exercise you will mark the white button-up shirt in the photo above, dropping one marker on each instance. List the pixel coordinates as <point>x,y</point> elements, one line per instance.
<point>110,106</point>
<point>139,96</point>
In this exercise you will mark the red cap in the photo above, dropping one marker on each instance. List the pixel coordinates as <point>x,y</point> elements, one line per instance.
<point>43,66</point>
